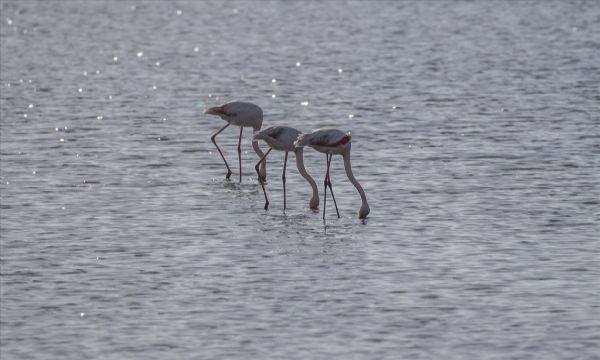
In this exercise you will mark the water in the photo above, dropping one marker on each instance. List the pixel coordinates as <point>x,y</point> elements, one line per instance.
<point>475,135</point>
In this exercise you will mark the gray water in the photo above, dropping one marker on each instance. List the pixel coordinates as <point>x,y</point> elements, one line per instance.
<point>476,136</point>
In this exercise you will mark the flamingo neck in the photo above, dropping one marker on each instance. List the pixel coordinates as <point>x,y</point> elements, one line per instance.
<point>314,201</point>
<point>364,208</point>
<point>263,165</point>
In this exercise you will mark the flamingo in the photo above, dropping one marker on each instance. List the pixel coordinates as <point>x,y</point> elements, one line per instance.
<point>331,142</point>
<point>242,114</point>
<point>282,138</point>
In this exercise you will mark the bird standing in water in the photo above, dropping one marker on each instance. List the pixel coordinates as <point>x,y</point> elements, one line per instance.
<point>242,114</point>
<point>331,142</point>
<point>282,138</point>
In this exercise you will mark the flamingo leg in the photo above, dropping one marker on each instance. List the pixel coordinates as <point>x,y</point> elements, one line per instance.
<point>239,149</point>
<point>283,179</point>
<point>325,185</point>
<point>329,184</point>
<point>260,179</point>
<point>214,140</point>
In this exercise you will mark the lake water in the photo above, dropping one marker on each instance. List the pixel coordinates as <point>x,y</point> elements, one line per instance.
<point>476,135</point>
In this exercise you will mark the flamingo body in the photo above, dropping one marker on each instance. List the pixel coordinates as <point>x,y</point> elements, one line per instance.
<point>279,137</point>
<point>239,113</point>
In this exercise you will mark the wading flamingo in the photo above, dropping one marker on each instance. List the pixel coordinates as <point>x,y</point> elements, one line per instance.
<point>331,142</point>
<point>282,138</point>
<point>242,114</point>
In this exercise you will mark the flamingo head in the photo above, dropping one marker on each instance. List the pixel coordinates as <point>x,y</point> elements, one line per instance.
<point>314,202</point>
<point>364,211</point>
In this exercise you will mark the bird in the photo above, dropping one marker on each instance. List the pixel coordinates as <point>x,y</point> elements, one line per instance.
<point>331,142</point>
<point>242,114</point>
<point>282,138</point>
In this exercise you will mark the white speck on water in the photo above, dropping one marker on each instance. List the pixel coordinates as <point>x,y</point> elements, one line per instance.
<point>21,81</point>
<point>62,140</point>
<point>133,8</point>
<point>154,87</point>
<point>210,153</point>
<point>97,72</point>
<point>77,155</point>
<point>209,95</point>
<point>8,84</point>
<point>350,116</point>
<point>196,49</point>
<point>304,103</point>
<point>158,138</point>
<point>25,115</point>
<point>30,81</point>
<point>55,129</point>
<point>109,97</point>
<point>140,54</point>
<point>85,73</point>
<point>66,128</point>
<point>273,96</point>
<point>115,58</point>
<point>9,21</point>
<point>340,71</point>
<point>164,119</point>
<point>235,11</point>
<point>30,106</point>
<point>179,12</point>
<point>298,63</point>
<point>63,208</point>
<point>82,314</point>
<point>394,107</point>
<point>100,117</point>
<point>273,80</point>
<point>34,172</point>
<point>80,90</point>
<point>157,63</point>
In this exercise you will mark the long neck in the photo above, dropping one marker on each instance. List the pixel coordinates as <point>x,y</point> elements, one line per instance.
<point>314,201</point>
<point>263,165</point>
<point>364,209</point>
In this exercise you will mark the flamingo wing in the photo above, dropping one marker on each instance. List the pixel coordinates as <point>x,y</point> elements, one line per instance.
<point>330,140</point>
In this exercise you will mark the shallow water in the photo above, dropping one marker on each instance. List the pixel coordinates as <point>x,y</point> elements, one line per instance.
<point>475,135</point>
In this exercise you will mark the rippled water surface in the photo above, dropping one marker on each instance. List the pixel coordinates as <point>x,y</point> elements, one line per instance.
<point>476,136</point>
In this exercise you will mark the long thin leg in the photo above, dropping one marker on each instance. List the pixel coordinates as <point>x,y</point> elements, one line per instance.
<point>260,179</point>
<point>213,139</point>
<point>240,151</point>
<point>329,184</point>
<point>325,185</point>
<point>283,179</point>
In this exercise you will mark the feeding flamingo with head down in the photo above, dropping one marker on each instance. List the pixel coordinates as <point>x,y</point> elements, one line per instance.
<point>242,114</point>
<point>331,142</point>
<point>282,138</point>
